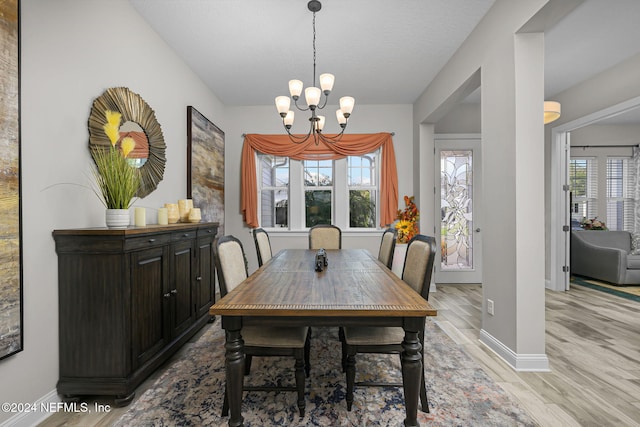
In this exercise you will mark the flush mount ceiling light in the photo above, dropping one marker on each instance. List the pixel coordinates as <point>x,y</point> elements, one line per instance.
<point>313,97</point>
<point>551,111</point>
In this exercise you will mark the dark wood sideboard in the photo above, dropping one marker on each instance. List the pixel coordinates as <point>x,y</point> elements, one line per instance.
<point>128,299</point>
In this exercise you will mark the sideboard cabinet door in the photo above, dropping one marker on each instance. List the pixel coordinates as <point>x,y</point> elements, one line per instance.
<point>150,303</point>
<point>205,283</point>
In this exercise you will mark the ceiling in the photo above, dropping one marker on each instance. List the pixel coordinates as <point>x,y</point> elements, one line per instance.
<point>380,51</point>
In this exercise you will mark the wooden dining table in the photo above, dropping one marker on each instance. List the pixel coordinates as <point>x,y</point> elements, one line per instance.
<point>354,289</point>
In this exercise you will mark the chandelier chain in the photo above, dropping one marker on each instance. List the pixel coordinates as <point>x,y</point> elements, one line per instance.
<point>314,48</point>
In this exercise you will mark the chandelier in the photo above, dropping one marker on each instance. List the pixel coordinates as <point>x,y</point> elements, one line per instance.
<point>315,102</point>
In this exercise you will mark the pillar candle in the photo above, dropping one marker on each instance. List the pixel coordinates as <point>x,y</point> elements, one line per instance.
<point>163,216</point>
<point>140,217</point>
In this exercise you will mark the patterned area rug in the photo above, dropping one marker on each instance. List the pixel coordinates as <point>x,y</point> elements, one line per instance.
<point>191,391</point>
<point>629,292</point>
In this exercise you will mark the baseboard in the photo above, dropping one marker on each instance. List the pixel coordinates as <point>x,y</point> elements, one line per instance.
<point>519,362</point>
<point>36,412</point>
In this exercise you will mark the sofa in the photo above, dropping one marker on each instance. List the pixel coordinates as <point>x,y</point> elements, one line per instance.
<point>606,256</point>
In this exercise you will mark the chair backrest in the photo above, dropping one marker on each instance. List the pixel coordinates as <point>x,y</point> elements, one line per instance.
<point>231,263</point>
<point>263,245</point>
<point>388,246</point>
<point>325,236</point>
<point>418,263</point>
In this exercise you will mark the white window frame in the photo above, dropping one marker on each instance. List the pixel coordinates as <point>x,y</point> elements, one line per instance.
<point>340,195</point>
<point>375,188</point>
<point>591,197</point>
<point>262,188</point>
<point>627,195</point>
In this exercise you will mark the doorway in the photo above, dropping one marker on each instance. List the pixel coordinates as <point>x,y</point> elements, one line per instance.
<point>560,213</point>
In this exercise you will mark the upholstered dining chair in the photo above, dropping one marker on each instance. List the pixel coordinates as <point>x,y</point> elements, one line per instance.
<point>325,236</point>
<point>417,270</point>
<point>263,245</point>
<point>388,246</point>
<point>231,264</point>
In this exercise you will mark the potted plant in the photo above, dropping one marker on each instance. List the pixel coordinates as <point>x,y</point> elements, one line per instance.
<point>116,179</point>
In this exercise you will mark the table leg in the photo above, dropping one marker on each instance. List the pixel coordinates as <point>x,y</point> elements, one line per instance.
<point>411,373</point>
<point>234,363</point>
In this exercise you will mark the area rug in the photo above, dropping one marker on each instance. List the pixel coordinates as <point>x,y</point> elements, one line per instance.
<point>628,292</point>
<point>190,392</point>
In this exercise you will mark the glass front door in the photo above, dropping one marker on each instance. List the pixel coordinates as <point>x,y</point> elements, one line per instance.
<point>457,202</point>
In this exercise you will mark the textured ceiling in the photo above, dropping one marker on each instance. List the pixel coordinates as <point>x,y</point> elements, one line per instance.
<point>381,51</point>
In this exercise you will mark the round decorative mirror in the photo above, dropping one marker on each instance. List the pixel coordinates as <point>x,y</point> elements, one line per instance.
<point>139,122</point>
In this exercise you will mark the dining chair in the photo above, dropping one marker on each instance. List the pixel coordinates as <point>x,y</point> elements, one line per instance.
<point>325,236</point>
<point>388,246</point>
<point>231,264</point>
<point>263,245</point>
<point>417,270</point>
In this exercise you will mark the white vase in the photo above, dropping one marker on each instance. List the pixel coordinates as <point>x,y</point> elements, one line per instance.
<point>117,218</point>
<point>398,258</point>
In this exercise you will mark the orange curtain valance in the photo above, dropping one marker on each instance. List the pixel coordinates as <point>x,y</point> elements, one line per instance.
<point>349,145</point>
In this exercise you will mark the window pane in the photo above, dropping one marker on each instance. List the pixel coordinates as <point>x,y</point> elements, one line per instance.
<point>362,208</point>
<point>620,194</point>
<point>274,191</point>
<point>318,173</point>
<point>583,184</point>
<point>274,208</point>
<point>361,170</point>
<point>317,207</point>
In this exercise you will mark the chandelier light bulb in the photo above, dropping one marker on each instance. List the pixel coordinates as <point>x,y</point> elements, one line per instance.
<point>346,105</point>
<point>326,82</point>
<point>288,119</point>
<point>282,104</point>
<point>295,88</point>
<point>342,120</point>
<point>312,95</point>
<point>320,123</point>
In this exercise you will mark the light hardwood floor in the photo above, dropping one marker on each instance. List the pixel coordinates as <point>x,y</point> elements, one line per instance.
<point>593,345</point>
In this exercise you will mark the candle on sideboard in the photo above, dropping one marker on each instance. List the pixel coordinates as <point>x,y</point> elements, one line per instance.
<point>140,217</point>
<point>163,216</point>
<point>184,206</point>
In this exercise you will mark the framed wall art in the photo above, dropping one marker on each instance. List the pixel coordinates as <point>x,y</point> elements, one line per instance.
<point>11,333</point>
<point>205,167</point>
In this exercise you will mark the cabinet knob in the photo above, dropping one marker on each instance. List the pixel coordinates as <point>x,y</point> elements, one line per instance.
<point>174,291</point>
<point>167,295</point>
<point>185,235</point>
<point>152,240</point>
<point>199,278</point>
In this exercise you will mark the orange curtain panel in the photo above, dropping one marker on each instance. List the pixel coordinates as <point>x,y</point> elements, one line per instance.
<point>349,145</point>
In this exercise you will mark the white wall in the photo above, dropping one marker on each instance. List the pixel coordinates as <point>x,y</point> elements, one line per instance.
<point>73,50</point>
<point>511,73</point>
<point>265,119</point>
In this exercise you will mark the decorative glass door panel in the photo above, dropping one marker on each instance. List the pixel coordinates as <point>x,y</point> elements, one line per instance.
<point>456,206</point>
<point>458,200</point>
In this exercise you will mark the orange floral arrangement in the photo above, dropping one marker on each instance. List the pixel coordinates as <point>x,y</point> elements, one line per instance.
<point>407,224</point>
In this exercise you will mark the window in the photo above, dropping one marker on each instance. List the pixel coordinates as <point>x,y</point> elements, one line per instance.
<point>361,177</point>
<point>343,192</point>
<point>620,194</point>
<point>274,190</point>
<point>318,189</point>
<point>583,183</point>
